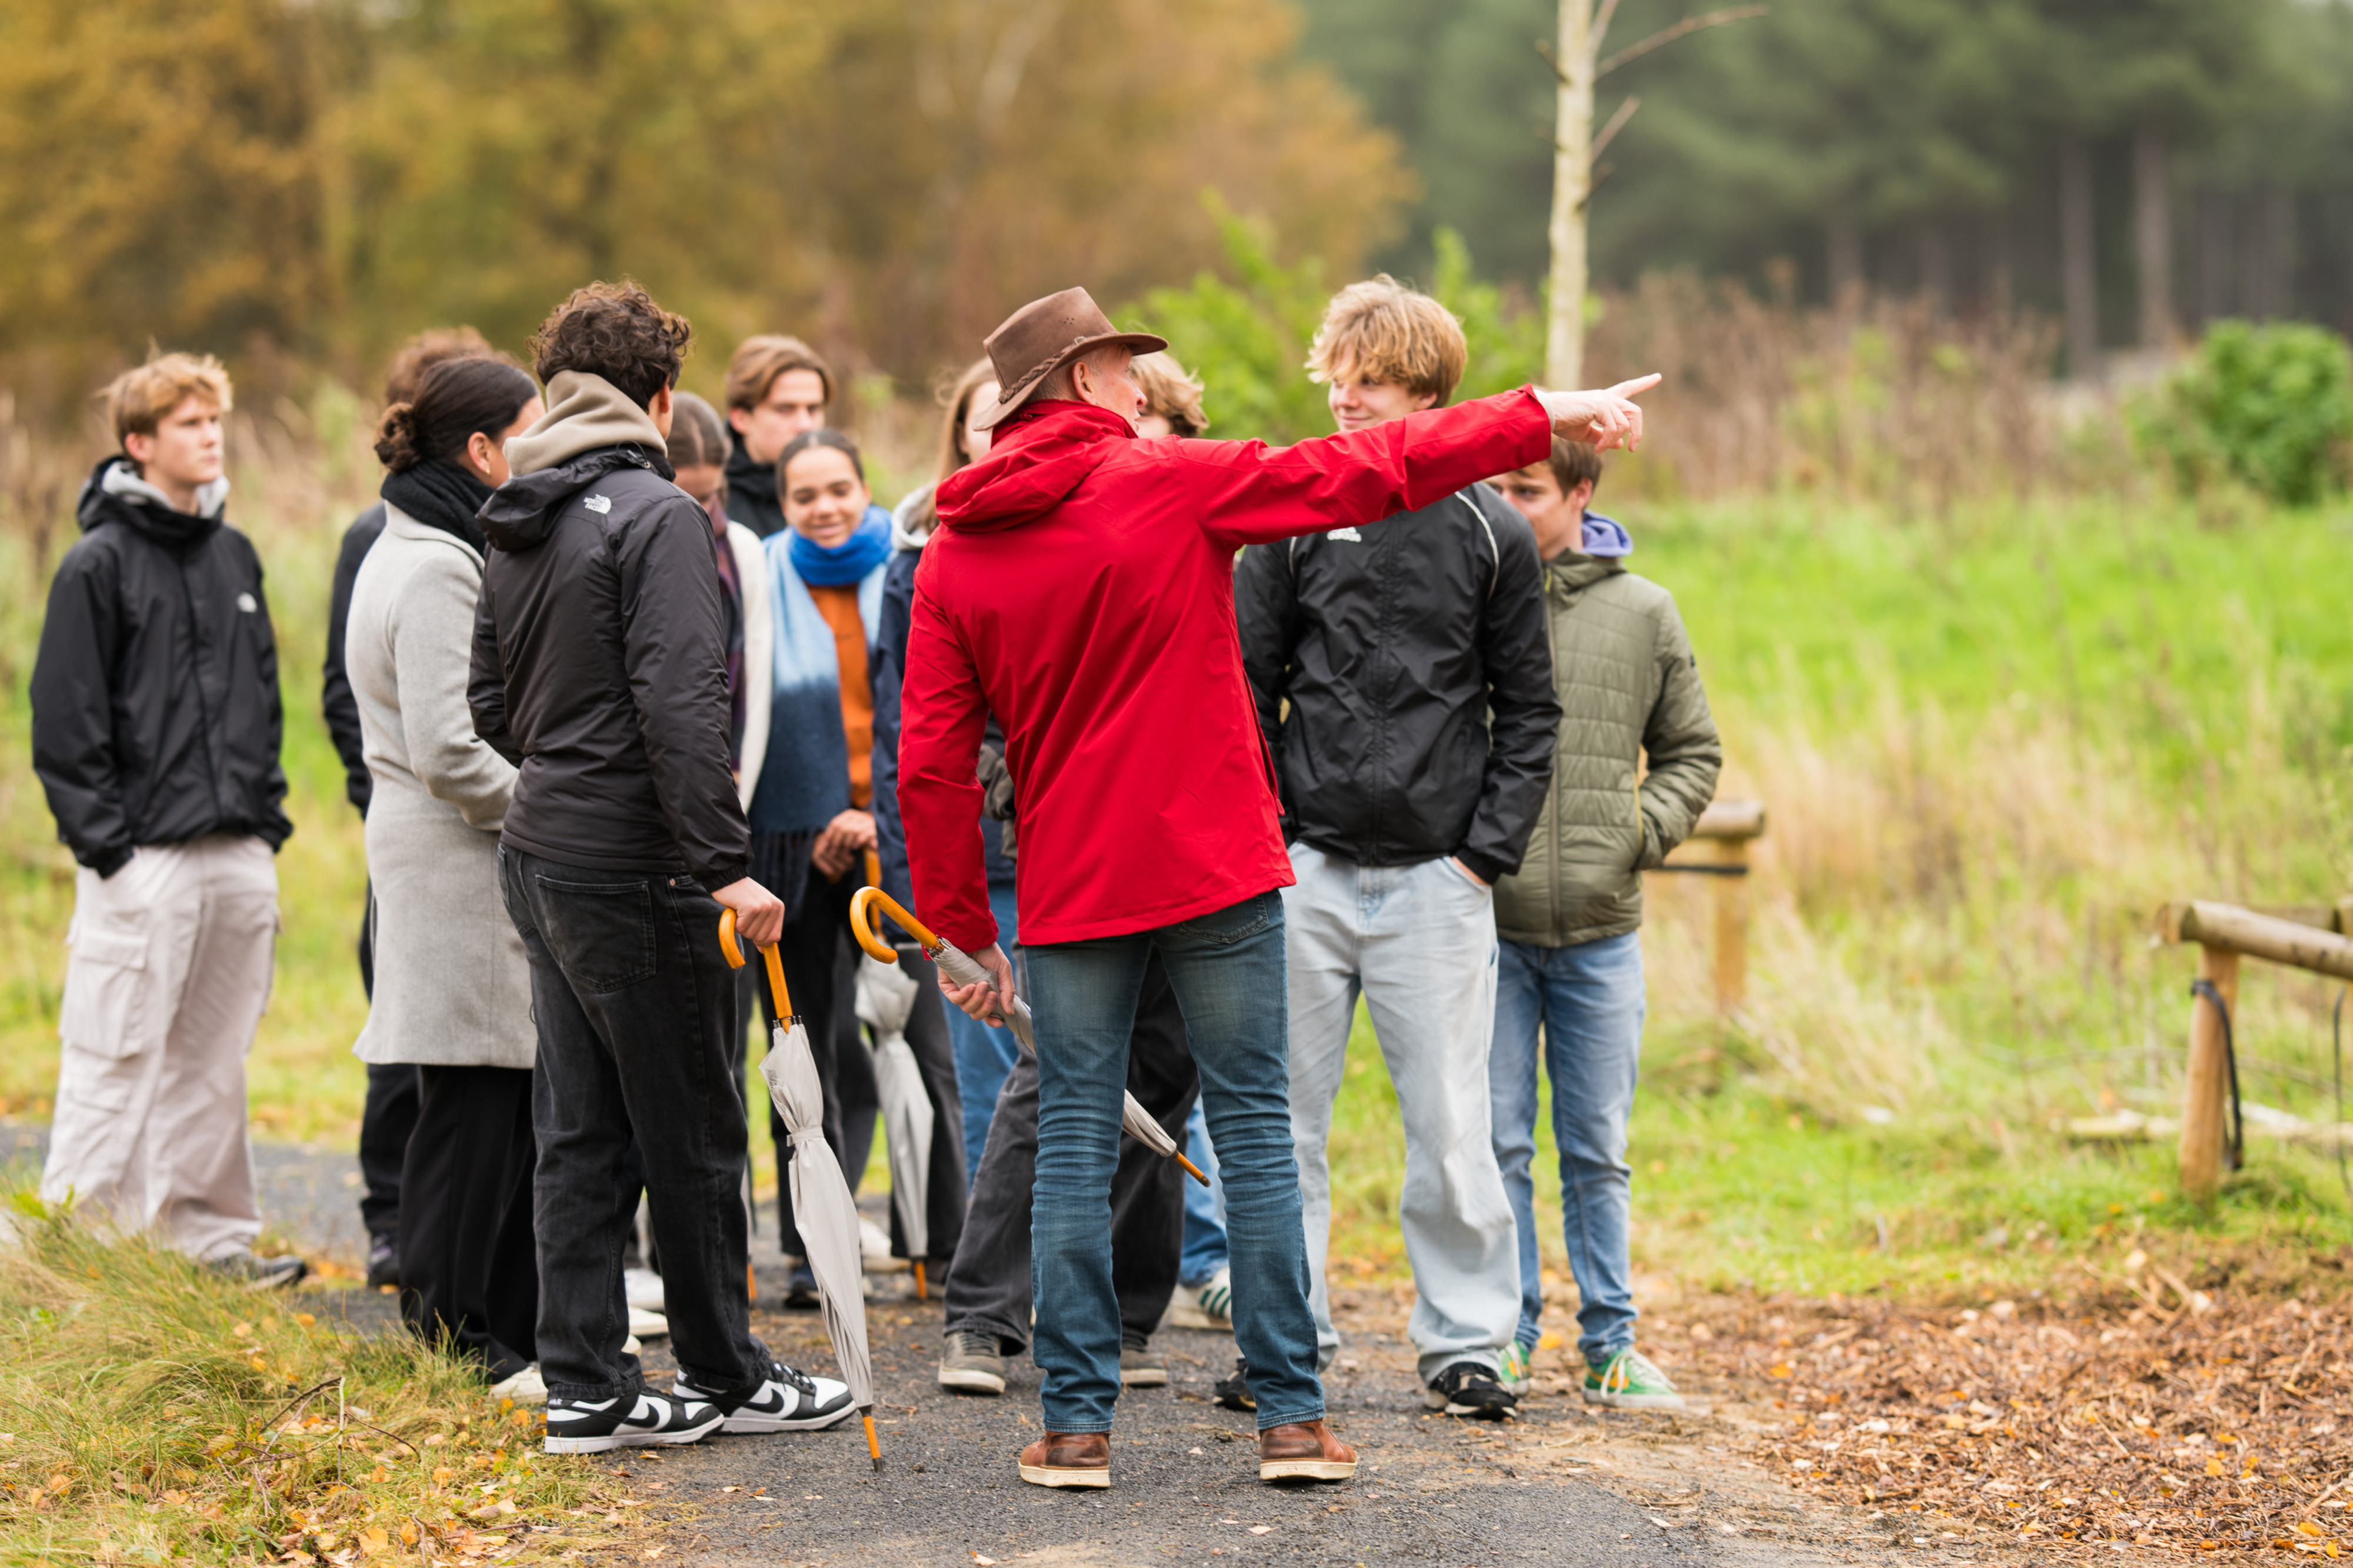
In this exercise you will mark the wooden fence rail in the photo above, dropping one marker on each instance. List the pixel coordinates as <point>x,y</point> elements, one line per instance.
<point>2224,933</point>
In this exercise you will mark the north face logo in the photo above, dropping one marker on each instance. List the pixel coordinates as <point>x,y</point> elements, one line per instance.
<point>598,503</point>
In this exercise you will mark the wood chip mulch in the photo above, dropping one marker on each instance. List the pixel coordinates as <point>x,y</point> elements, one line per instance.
<point>2149,1415</point>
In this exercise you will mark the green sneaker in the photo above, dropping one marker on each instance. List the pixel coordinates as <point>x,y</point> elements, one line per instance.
<point>1631,1383</point>
<point>1512,1366</point>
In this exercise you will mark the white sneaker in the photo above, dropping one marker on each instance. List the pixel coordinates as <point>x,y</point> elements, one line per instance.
<point>643,1288</point>
<point>874,1250</point>
<point>789,1401</point>
<point>647,1325</point>
<point>583,1426</point>
<point>1209,1305</point>
<point>525,1387</point>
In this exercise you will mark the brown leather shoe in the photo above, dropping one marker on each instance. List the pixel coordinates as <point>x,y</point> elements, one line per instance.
<point>1067,1459</point>
<point>1304,1451</point>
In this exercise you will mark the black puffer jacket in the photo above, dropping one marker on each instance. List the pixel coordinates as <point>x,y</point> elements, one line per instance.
<point>155,711</point>
<point>336,703</point>
<point>1393,643</point>
<point>600,670</point>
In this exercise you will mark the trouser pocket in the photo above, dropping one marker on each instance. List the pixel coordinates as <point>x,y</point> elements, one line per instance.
<point>601,934</point>
<point>104,1009</point>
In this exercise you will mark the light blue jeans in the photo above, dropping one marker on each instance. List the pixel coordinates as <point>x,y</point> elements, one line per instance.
<point>1417,944</point>
<point>1588,1000</point>
<point>1205,1208</point>
<point>1224,967</point>
<point>984,1053</point>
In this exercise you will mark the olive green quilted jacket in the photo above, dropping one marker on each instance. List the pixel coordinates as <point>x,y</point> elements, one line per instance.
<point>1628,684</point>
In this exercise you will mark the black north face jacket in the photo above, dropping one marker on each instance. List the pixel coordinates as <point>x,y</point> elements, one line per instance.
<point>1412,654</point>
<point>156,717</point>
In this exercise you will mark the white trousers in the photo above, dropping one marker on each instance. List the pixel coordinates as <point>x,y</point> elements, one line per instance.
<point>169,972</point>
<point>1418,943</point>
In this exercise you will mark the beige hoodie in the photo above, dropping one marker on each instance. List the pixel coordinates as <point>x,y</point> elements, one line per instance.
<point>585,411</point>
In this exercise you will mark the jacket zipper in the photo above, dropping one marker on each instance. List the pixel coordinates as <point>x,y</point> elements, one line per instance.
<point>203,711</point>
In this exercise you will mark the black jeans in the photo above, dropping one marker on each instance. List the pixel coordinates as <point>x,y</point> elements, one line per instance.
<point>989,1285</point>
<point>467,1268</point>
<point>633,1003</point>
<point>819,959</point>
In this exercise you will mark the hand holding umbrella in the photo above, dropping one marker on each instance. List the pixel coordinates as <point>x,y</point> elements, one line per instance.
<point>827,1214</point>
<point>866,908</point>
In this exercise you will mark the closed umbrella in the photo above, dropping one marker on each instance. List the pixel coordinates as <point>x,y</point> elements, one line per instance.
<point>866,908</point>
<point>822,1206</point>
<point>886,998</point>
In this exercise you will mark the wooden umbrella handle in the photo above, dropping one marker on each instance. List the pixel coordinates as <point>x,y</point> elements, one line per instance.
<point>778,991</point>
<point>866,908</point>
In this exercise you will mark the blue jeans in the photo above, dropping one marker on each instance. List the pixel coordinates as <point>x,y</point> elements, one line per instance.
<point>984,1053</point>
<point>1589,1000</point>
<point>1205,1208</point>
<point>1226,968</point>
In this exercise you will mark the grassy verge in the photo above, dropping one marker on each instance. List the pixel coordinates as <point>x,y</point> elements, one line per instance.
<point>153,1410</point>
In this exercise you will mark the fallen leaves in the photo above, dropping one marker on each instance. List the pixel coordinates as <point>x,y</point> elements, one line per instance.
<point>2176,1417</point>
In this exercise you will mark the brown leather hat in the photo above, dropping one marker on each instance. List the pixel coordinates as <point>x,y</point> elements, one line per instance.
<point>1042,337</point>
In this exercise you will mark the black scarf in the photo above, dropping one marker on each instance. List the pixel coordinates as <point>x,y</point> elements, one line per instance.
<point>440,495</point>
<point>752,498</point>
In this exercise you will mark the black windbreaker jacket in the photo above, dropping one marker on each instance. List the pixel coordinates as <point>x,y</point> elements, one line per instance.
<point>1393,643</point>
<point>600,670</point>
<point>155,711</point>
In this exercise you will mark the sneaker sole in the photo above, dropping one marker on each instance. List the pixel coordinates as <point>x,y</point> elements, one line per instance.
<point>1144,1377</point>
<point>1191,1317</point>
<point>612,1440</point>
<point>1637,1401</point>
<point>1431,1399</point>
<point>1306,1469</point>
<point>964,1380</point>
<point>1065,1476</point>
<point>1235,1401</point>
<point>758,1424</point>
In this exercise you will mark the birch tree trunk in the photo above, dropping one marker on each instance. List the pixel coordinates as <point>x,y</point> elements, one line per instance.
<point>1572,184</point>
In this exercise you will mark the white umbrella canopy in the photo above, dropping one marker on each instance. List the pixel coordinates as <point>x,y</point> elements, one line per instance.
<point>866,908</point>
<point>886,999</point>
<point>822,1207</point>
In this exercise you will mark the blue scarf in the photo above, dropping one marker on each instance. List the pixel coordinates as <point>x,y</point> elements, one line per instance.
<point>835,566</point>
<point>1605,536</point>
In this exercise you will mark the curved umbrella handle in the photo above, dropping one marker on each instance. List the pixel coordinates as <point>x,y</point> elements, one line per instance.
<point>777,992</point>
<point>866,908</point>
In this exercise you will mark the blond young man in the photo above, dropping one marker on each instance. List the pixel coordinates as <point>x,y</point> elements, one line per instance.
<point>155,735</point>
<point>777,387</point>
<point>1404,689</point>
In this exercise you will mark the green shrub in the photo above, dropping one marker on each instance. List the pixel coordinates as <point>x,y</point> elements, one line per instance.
<point>2270,406</point>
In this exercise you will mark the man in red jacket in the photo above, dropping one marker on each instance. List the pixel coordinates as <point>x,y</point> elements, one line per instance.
<point>1081,588</point>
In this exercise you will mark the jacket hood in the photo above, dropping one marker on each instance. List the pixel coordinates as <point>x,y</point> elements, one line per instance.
<point>1572,571</point>
<point>747,475</point>
<point>1035,463</point>
<point>521,513</point>
<point>115,493</point>
<point>584,412</point>
<point>904,533</point>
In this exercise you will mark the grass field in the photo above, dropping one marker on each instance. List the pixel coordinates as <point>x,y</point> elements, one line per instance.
<point>1990,742</point>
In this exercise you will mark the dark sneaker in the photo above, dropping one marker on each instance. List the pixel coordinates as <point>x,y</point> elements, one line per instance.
<point>972,1363</point>
<point>641,1420</point>
<point>800,1290</point>
<point>384,1263</point>
<point>1141,1366</point>
<point>256,1273</point>
<point>788,1401</point>
<point>1234,1392</point>
<point>1466,1388</point>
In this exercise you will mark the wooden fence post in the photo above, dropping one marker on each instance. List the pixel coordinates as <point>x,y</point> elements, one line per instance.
<point>2205,1110</point>
<point>1731,900</point>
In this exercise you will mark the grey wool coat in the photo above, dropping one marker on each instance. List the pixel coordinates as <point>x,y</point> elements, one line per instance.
<point>452,986</point>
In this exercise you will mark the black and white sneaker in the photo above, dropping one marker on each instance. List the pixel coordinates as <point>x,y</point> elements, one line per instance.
<point>1466,1388</point>
<point>1234,1392</point>
<point>641,1420</point>
<point>788,1401</point>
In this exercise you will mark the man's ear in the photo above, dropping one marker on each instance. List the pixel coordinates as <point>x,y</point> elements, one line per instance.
<point>739,420</point>
<point>139,447</point>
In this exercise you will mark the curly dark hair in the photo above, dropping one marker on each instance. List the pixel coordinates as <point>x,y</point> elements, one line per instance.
<point>615,331</point>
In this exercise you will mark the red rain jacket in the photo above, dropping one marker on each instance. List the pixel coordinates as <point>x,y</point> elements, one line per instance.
<point>1081,588</point>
